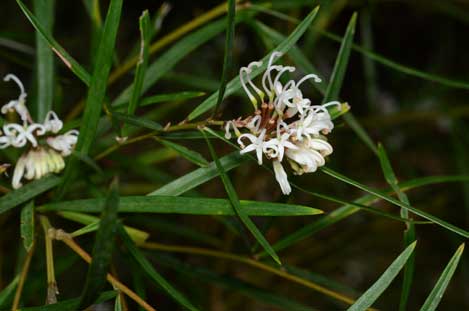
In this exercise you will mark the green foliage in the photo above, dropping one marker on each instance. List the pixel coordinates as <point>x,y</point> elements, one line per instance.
<point>136,88</point>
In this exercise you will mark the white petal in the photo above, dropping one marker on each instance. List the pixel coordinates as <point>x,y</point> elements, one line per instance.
<point>281,177</point>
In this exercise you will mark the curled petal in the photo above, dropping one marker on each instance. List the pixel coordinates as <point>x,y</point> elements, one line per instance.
<point>281,177</point>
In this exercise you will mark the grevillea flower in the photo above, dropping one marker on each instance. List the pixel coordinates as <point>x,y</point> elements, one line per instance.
<point>43,155</point>
<point>284,124</point>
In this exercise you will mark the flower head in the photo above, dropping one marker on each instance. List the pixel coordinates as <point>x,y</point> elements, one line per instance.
<point>284,124</point>
<point>40,159</point>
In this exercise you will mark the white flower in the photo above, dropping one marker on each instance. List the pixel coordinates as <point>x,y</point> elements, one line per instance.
<point>35,164</point>
<point>281,177</point>
<point>309,155</point>
<point>257,144</point>
<point>64,143</point>
<point>52,123</point>
<point>245,78</point>
<point>18,136</point>
<point>17,105</point>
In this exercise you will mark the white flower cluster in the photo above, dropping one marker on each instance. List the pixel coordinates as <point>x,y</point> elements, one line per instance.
<point>286,125</point>
<point>39,160</point>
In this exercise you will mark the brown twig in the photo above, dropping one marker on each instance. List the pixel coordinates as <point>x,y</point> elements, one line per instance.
<point>65,237</point>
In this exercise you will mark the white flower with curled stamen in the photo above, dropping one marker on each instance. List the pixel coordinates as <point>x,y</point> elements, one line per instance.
<point>64,143</point>
<point>285,124</point>
<point>17,105</point>
<point>257,144</point>
<point>20,135</point>
<point>52,123</point>
<point>39,160</point>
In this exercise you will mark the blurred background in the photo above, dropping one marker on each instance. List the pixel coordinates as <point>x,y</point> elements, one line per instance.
<point>407,83</point>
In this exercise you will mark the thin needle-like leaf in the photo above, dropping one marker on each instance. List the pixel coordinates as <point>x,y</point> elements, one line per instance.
<point>390,199</point>
<point>229,188</point>
<point>433,300</point>
<point>373,293</point>
<point>227,60</point>
<point>152,273</point>
<point>409,232</point>
<point>68,60</point>
<point>144,24</point>
<point>97,89</point>
<point>102,250</point>
<point>45,74</point>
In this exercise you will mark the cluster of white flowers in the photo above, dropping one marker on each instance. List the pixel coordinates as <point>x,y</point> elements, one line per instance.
<point>39,160</point>
<point>286,125</point>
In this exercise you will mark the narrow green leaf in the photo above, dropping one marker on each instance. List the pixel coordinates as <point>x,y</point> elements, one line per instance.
<point>45,74</point>
<point>102,250</point>
<point>373,293</point>
<point>144,25</point>
<point>348,210</point>
<point>28,192</point>
<point>409,232</point>
<point>138,121</point>
<point>227,59</point>
<point>168,97</point>
<point>7,293</point>
<point>433,300</point>
<point>341,62</point>
<point>235,84</point>
<point>97,89</point>
<point>152,273</point>
<point>390,199</point>
<point>235,203</point>
<point>27,225</point>
<point>93,223</point>
<point>68,60</point>
<point>70,304</point>
<point>182,205</point>
<point>190,155</point>
<point>199,176</point>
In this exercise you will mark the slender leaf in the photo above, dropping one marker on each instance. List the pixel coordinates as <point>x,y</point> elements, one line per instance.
<point>27,225</point>
<point>199,176</point>
<point>338,73</point>
<point>97,89</point>
<point>190,155</point>
<point>45,74</point>
<point>68,60</point>
<point>138,121</point>
<point>390,199</point>
<point>144,23</point>
<point>93,224</point>
<point>28,192</point>
<point>373,293</point>
<point>227,59</point>
<point>409,232</point>
<point>235,83</point>
<point>102,250</point>
<point>433,300</point>
<point>348,210</point>
<point>7,293</point>
<point>235,203</point>
<point>182,205</point>
<point>151,272</point>
<point>70,304</point>
<point>168,97</point>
